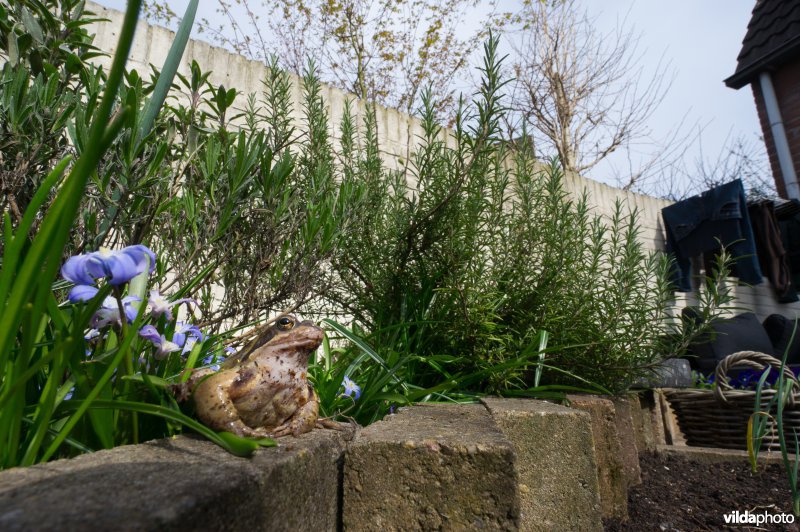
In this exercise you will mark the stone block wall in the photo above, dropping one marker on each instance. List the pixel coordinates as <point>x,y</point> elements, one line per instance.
<point>506,464</point>
<point>183,483</point>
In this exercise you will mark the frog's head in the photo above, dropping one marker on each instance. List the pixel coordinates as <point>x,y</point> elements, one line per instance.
<point>289,337</point>
<point>288,330</point>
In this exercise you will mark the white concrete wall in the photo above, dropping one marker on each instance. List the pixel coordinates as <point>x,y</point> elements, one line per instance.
<point>396,131</point>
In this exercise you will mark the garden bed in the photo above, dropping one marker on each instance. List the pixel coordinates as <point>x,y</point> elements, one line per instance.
<point>678,493</point>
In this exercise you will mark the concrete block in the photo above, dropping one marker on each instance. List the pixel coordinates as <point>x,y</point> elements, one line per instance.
<point>627,440</point>
<point>404,138</point>
<point>393,127</point>
<point>558,484</point>
<point>218,62</point>
<point>642,426</point>
<point>653,416</point>
<point>160,41</point>
<point>180,484</point>
<point>245,76</point>
<point>185,66</point>
<point>382,123</point>
<point>608,454</point>
<point>142,41</point>
<point>334,99</point>
<point>297,100</point>
<point>431,467</point>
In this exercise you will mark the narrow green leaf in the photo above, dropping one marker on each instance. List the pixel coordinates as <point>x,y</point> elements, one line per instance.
<point>41,262</point>
<point>13,49</point>
<point>32,26</point>
<point>168,70</point>
<point>228,441</point>
<point>365,347</point>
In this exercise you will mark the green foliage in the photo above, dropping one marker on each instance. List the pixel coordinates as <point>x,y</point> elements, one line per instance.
<point>472,270</point>
<point>43,354</point>
<point>388,376</point>
<point>233,217</point>
<point>48,37</point>
<point>478,249</point>
<point>44,70</point>
<point>192,181</point>
<point>29,268</point>
<point>714,303</point>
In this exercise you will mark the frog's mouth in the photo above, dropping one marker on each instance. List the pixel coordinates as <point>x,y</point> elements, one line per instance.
<point>306,344</point>
<point>303,345</point>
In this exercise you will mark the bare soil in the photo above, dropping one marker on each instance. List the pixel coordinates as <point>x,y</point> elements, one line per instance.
<point>681,494</point>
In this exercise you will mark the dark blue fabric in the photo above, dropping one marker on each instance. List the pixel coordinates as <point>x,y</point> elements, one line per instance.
<point>701,223</point>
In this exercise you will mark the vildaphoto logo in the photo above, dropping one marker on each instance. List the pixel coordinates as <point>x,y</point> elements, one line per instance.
<point>751,518</point>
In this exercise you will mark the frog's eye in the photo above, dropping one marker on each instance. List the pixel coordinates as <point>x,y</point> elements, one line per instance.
<point>285,323</point>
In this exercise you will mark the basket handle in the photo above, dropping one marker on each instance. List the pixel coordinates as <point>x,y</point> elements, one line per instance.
<point>754,360</point>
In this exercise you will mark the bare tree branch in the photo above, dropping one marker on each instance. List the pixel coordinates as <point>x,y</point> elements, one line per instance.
<point>383,50</point>
<point>582,95</point>
<point>738,158</point>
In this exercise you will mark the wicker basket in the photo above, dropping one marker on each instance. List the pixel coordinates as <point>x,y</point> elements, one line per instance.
<point>718,417</point>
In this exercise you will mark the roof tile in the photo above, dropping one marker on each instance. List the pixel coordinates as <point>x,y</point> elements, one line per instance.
<point>772,34</point>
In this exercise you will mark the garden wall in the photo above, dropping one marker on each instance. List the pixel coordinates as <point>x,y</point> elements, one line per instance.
<point>396,131</point>
<point>506,464</point>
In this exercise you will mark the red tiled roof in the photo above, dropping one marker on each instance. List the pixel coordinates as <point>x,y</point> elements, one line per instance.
<point>773,37</point>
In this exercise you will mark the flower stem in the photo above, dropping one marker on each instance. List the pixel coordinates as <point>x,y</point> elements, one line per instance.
<point>127,361</point>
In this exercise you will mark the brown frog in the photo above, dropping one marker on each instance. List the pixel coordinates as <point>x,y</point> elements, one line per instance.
<point>263,390</point>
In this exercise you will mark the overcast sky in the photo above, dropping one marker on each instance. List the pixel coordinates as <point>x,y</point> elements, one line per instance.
<point>699,38</point>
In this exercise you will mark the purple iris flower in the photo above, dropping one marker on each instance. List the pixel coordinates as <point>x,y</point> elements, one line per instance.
<point>747,379</point>
<point>81,293</point>
<point>351,389</point>
<point>214,360</point>
<point>160,305</point>
<point>118,266</point>
<point>186,335</point>
<point>109,312</point>
<point>76,269</point>
<point>164,346</point>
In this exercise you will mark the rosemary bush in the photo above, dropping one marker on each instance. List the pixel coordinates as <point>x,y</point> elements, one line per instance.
<point>474,251</point>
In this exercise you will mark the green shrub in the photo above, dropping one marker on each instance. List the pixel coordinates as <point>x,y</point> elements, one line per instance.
<point>231,208</point>
<point>474,250</point>
<point>57,395</point>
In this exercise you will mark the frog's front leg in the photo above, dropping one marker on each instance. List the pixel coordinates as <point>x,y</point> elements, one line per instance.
<point>215,408</point>
<point>303,420</point>
<point>184,390</point>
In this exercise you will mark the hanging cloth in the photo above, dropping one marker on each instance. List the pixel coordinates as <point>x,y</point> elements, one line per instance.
<point>701,223</point>
<point>771,253</point>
